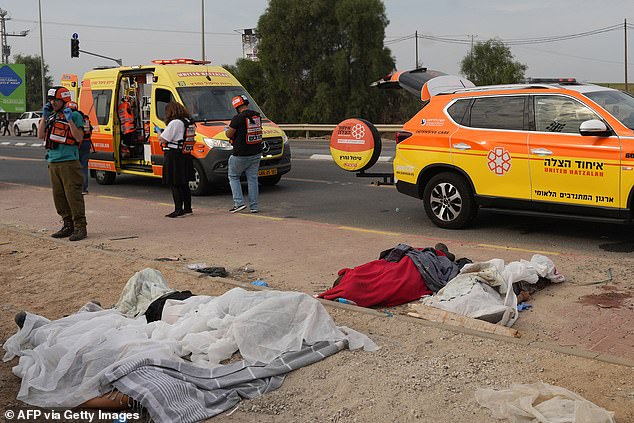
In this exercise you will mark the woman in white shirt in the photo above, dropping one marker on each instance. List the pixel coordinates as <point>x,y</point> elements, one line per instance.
<point>178,168</point>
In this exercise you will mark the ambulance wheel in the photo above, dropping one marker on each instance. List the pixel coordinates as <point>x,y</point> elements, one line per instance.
<point>104,178</point>
<point>34,130</point>
<point>448,201</point>
<point>16,131</point>
<point>269,181</point>
<point>200,184</point>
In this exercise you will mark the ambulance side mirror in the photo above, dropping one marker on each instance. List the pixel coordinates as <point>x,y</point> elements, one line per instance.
<point>594,128</point>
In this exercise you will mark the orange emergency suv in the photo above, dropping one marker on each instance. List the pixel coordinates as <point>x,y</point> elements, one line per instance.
<point>556,147</point>
<point>206,91</point>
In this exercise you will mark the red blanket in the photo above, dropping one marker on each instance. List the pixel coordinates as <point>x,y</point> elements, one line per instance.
<point>380,283</point>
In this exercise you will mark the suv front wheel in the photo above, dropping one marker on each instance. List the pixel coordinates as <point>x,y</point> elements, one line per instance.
<point>448,201</point>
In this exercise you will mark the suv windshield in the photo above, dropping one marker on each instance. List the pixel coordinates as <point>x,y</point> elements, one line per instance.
<point>617,103</point>
<point>213,103</point>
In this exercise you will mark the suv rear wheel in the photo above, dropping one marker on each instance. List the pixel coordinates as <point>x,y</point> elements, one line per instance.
<point>34,130</point>
<point>448,201</point>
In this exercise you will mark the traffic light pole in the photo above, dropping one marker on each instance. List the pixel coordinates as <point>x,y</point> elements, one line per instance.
<point>119,61</point>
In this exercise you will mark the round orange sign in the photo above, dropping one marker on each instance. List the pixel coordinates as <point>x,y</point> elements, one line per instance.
<point>355,145</point>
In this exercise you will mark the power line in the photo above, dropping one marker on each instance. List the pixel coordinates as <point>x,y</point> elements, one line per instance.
<point>122,28</point>
<point>517,41</point>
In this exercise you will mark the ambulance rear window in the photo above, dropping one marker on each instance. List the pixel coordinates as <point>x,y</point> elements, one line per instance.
<point>213,103</point>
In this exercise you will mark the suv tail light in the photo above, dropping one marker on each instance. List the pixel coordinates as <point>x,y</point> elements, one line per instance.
<point>402,136</point>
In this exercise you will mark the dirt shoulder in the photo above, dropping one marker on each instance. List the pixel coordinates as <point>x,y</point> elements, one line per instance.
<point>423,372</point>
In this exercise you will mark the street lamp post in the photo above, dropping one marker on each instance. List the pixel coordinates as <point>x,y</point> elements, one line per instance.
<point>42,54</point>
<point>202,3</point>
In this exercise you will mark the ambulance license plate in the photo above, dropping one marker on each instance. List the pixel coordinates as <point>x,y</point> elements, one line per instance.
<point>267,172</point>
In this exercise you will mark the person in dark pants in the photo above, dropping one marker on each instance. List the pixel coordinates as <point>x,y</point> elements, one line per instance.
<point>177,141</point>
<point>245,134</point>
<point>62,130</point>
<point>85,147</point>
<point>4,125</point>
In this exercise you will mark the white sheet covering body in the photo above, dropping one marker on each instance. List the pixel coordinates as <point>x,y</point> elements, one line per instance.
<point>485,290</point>
<point>61,361</point>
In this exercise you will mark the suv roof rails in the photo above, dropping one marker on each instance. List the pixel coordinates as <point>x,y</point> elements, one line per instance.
<point>502,87</point>
<point>104,67</point>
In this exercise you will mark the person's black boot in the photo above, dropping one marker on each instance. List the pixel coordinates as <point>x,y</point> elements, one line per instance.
<point>66,231</point>
<point>20,317</point>
<point>442,247</point>
<point>78,234</point>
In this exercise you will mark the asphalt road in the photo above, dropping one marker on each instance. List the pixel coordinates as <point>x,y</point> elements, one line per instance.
<point>317,190</point>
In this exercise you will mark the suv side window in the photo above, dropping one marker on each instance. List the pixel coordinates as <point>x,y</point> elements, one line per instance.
<point>555,113</point>
<point>458,110</point>
<point>506,112</point>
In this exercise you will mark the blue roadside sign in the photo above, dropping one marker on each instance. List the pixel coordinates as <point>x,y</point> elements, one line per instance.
<point>12,88</point>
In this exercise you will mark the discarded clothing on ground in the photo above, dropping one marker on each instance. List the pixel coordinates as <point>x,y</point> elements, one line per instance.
<point>399,276</point>
<point>485,290</point>
<point>214,271</point>
<point>543,403</point>
<point>64,362</point>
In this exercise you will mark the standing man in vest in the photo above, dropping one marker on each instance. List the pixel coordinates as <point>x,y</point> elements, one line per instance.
<point>85,147</point>
<point>126,119</point>
<point>62,130</point>
<point>245,134</point>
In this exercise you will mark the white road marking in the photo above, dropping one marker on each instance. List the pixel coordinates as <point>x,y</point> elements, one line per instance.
<point>20,144</point>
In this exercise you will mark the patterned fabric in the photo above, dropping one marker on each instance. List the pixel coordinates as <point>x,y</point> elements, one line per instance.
<point>178,392</point>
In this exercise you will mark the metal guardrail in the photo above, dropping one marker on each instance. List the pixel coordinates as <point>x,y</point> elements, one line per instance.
<point>329,127</point>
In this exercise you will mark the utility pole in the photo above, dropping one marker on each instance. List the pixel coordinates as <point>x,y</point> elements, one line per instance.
<point>416,36</point>
<point>203,27</point>
<point>6,48</point>
<point>625,32</point>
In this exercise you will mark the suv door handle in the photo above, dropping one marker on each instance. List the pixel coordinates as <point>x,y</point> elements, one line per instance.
<point>461,146</point>
<point>541,151</point>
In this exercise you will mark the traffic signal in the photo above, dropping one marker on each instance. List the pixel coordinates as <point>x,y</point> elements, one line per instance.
<point>74,47</point>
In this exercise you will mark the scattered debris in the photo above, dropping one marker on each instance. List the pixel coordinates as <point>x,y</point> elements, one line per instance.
<point>433,314</point>
<point>196,266</point>
<point>123,237</point>
<point>167,259</point>
<point>259,282</point>
<point>214,271</point>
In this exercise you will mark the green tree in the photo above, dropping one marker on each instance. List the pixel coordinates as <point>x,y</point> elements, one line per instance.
<point>318,58</point>
<point>492,63</point>
<point>33,75</point>
<point>249,73</point>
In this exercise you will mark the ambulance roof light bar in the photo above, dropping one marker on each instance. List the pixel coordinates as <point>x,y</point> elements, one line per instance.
<point>180,62</point>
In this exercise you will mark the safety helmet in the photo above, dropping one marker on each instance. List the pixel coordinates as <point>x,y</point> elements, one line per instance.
<point>239,100</point>
<point>60,93</point>
<point>72,105</point>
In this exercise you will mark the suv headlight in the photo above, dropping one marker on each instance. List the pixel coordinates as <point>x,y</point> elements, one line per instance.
<point>285,138</point>
<point>219,144</point>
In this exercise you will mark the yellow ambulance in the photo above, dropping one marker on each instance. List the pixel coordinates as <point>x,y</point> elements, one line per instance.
<point>206,91</point>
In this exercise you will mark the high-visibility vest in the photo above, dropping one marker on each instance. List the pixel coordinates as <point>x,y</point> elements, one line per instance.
<point>58,131</point>
<point>126,118</point>
<point>254,129</point>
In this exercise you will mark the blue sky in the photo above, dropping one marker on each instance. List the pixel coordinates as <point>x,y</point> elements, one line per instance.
<point>101,26</point>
